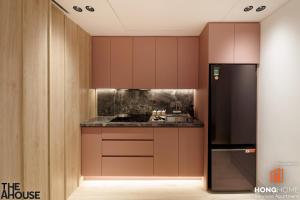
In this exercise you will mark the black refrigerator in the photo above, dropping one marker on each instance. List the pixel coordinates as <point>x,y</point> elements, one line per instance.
<point>232,128</point>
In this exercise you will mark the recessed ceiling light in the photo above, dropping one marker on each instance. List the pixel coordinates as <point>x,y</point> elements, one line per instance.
<point>248,8</point>
<point>77,8</point>
<point>90,8</point>
<point>260,8</point>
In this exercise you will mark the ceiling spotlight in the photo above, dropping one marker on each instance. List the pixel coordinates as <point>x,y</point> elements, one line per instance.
<point>77,8</point>
<point>260,8</point>
<point>90,8</point>
<point>248,8</point>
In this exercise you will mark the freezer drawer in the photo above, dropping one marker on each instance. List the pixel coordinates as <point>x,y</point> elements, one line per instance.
<point>233,170</point>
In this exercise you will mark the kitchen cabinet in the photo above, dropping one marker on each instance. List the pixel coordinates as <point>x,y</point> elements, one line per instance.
<point>221,43</point>
<point>127,166</point>
<point>101,62</point>
<point>91,152</point>
<point>191,143</point>
<point>121,62</point>
<point>166,62</point>
<point>247,43</point>
<point>142,151</point>
<point>234,43</point>
<point>166,152</point>
<point>144,62</point>
<point>188,62</point>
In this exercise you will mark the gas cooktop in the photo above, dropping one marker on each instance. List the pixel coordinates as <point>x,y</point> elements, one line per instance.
<point>132,118</point>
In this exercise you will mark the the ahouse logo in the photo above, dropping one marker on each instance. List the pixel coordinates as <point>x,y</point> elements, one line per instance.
<point>13,191</point>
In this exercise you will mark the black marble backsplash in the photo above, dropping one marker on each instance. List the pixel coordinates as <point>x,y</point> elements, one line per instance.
<point>134,101</point>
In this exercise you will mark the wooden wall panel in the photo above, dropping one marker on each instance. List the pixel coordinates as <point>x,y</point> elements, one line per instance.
<point>11,90</point>
<point>56,104</point>
<point>72,117</point>
<point>84,72</point>
<point>35,96</point>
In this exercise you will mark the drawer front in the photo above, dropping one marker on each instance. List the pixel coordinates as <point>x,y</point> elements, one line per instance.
<point>127,133</point>
<point>127,166</point>
<point>133,148</point>
<point>90,130</point>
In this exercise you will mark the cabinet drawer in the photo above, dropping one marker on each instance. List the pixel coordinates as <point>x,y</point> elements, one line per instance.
<point>127,133</point>
<point>134,148</point>
<point>90,130</point>
<point>127,166</point>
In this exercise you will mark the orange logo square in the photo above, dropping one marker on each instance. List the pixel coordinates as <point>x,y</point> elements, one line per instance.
<point>277,176</point>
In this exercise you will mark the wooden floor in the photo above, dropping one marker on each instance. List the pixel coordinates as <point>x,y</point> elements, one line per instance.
<point>149,190</point>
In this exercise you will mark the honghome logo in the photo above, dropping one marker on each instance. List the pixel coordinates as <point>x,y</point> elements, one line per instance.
<point>13,191</point>
<point>277,190</point>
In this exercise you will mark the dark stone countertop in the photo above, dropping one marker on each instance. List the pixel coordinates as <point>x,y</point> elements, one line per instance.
<point>104,121</point>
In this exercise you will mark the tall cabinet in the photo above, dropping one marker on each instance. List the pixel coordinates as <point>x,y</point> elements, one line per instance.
<point>223,43</point>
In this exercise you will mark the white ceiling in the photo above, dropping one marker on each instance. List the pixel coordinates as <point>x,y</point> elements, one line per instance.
<point>162,17</point>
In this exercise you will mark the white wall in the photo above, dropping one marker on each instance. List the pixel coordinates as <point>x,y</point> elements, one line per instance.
<point>279,95</point>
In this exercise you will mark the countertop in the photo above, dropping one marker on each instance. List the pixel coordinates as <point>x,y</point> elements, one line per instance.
<point>104,121</point>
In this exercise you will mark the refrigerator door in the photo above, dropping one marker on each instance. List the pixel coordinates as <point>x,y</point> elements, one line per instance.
<point>232,104</point>
<point>233,170</point>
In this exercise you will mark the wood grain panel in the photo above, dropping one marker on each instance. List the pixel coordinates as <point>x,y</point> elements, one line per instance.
<point>166,62</point>
<point>144,62</point>
<point>101,62</point>
<point>188,62</point>
<point>91,152</point>
<point>11,91</point>
<point>121,62</point>
<point>127,148</point>
<point>127,166</point>
<point>56,104</point>
<point>221,42</point>
<point>191,152</point>
<point>35,96</point>
<point>72,116</point>
<point>127,133</point>
<point>247,43</point>
<point>84,40</point>
<point>165,152</point>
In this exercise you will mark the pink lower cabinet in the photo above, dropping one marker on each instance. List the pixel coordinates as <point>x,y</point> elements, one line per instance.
<point>91,151</point>
<point>166,152</point>
<point>127,166</point>
<point>191,141</point>
<point>127,151</point>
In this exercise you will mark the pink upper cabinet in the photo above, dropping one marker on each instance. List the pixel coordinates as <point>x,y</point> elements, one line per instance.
<point>101,62</point>
<point>247,43</point>
<point>121,62</point>
<point>221,43</point>
<point>166,62</point>
<point>144,62</point>
<point>188,62</point>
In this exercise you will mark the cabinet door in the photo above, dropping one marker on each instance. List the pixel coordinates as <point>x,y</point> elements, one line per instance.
<point>101,62</point>
<point>191,151</point>
<point>166,62</point>
<point>144,62</point>
<point>188,62</point>
<point>121,62</point>
<point>91,152</point>
<point>221,43</point>
<point>247,43</point>
<point>165,152</point>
